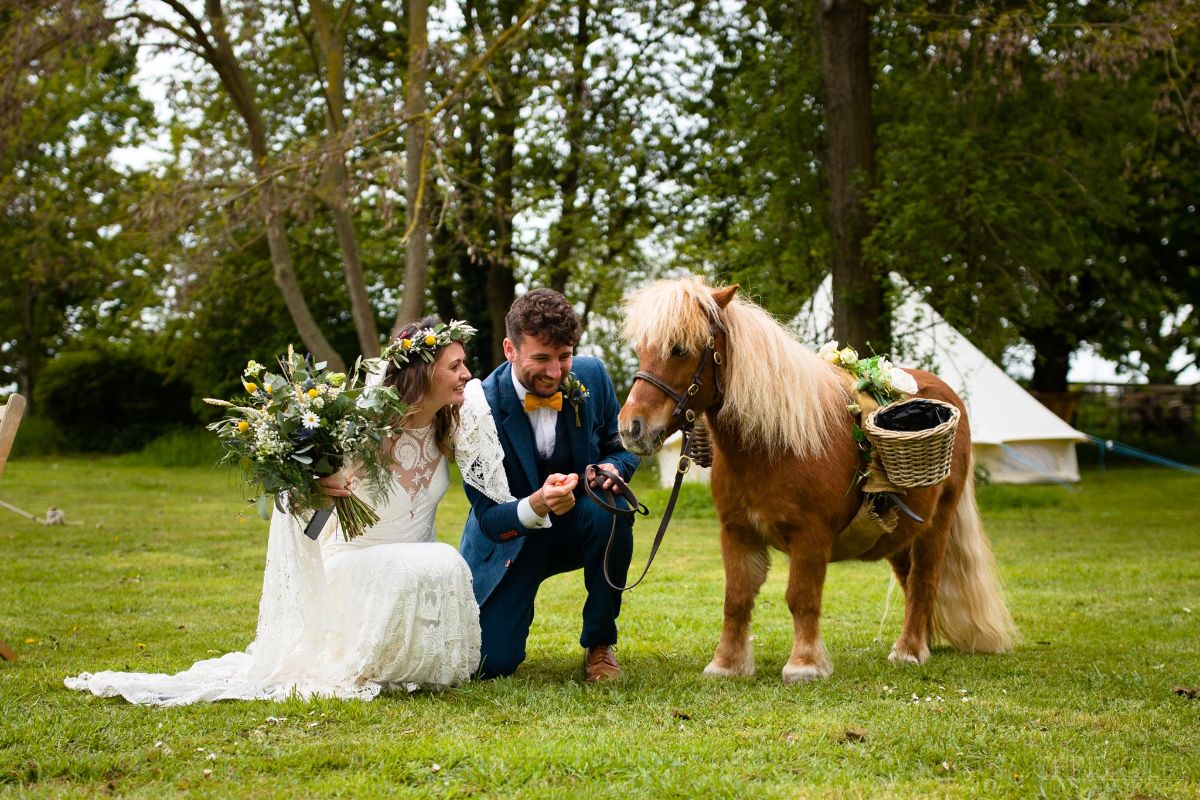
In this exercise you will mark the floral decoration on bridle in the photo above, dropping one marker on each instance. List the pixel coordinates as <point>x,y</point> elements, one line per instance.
<point>575,393</point>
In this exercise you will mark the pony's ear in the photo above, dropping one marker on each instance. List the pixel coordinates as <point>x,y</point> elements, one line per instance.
<point>725,294</point>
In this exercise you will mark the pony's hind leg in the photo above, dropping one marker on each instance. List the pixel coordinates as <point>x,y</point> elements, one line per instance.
<point>901,565</point>
<point>806,582</point>
<point>746,565</point>
<point>918,571</point>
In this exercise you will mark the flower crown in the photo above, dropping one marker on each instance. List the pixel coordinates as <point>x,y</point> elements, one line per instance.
<point>426,342</point>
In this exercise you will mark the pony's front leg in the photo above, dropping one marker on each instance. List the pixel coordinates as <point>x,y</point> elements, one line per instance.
<point>806,582</point>
<point>746,564</point>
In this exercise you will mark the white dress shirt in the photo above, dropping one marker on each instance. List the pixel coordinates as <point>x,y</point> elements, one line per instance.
<point>544,422</point>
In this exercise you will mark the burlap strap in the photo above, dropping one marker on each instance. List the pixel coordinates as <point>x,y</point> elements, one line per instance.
<point>875,518</point>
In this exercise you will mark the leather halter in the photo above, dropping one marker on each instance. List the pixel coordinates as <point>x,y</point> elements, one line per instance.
<point>688,424</point>
<point>683,399</point>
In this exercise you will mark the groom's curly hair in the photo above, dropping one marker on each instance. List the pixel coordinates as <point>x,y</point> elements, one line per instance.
<point>412,382</point>
<point>544,314</point>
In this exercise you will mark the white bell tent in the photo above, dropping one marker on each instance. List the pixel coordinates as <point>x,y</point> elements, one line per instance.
<point>1016,438</point>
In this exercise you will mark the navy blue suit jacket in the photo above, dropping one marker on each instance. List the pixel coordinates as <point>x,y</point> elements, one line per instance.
<point>493,536</point>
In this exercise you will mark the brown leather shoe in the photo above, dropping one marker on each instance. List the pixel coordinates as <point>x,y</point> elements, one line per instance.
<point>600,664</point>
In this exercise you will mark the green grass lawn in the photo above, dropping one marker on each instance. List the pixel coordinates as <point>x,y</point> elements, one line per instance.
<point>166,567</point>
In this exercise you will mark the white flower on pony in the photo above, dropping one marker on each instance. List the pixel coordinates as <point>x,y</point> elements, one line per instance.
<point>829,351</point>
<point>900,380</point>
<point>848,357</point>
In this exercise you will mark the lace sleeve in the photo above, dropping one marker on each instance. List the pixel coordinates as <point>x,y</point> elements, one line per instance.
<point>477,446</point>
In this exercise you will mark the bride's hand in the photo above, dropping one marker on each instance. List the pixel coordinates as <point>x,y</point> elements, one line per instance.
<point>337,485</point>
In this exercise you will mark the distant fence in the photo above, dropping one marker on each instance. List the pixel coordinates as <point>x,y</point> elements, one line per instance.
<point>1162,419</point>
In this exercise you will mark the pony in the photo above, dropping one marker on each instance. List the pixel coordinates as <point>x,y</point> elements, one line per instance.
<point>784,476</point>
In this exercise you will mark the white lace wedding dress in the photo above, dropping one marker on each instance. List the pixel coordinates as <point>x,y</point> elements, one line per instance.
<point>391,609</point>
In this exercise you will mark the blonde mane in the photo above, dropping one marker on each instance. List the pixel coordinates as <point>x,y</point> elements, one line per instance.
<point>779,395</point>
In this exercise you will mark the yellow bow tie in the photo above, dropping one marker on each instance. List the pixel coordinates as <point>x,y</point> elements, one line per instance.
<point>554,401</point>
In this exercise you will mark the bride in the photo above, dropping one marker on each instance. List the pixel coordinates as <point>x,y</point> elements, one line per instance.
<point>391,609</point>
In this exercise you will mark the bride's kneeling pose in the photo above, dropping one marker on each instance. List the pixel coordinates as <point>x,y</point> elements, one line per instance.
<point>391,609</point>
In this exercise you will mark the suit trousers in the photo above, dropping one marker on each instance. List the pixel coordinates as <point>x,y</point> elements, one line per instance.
<point>575,540</point>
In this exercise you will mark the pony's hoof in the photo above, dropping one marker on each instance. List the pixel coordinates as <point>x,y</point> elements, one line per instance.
<point>902,655</point>
<point>743,670</point>
<point>803,673</point>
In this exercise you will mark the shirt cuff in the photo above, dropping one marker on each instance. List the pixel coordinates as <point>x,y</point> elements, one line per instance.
<point>529,518</point>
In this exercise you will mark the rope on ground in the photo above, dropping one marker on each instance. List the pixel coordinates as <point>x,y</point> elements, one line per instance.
<point>1133,452</point>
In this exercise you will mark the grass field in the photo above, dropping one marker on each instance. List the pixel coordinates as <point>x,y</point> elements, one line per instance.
<point>165,569</point>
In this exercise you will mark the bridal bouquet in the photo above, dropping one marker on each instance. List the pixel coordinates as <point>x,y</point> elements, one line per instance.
<point>304,423</point>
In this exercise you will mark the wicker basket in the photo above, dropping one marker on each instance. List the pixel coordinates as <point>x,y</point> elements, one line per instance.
<point>914,458</point>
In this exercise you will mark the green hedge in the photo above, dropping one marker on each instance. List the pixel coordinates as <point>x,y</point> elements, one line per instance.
<point>108,399</point>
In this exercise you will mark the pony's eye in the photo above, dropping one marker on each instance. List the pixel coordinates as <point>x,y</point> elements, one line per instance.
<point>678,352</point>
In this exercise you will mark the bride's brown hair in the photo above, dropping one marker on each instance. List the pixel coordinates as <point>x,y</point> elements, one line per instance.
<point>413,381</point>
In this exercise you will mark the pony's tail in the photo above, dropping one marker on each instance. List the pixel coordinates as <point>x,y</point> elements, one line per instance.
<point>970,613</point>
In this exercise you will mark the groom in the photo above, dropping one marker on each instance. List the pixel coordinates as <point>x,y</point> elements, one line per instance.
<point>555,414</point>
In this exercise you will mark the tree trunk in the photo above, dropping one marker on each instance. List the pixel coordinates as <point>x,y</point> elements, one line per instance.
<point>501,283</point>
<point>335,178</point>
<point>285,278</point>
<point>221,56</point>
<point>1052,359</point>
<point>416,256</point>
<point>452,243</point>
<point>564,233</point>
<point>1051,362</point>
<point>859,313</point>
<point>27,347</point>
<point>361,310</point>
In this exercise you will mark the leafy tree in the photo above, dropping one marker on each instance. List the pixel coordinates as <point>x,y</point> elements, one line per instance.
<point>752,199</point>
<point>249,48</point>
<point>1020,164</point>
<point>551,166</point>
<point>1013,182</point>
<point>71,264</point>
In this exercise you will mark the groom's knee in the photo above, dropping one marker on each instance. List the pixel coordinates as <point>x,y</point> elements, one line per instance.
<point>504,621</point>
<point>500,663</point>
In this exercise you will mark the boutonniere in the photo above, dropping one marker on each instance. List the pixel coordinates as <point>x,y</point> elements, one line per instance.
<point>575,393</point>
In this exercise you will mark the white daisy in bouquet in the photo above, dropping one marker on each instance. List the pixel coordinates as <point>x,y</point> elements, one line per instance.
<point>304,423</point>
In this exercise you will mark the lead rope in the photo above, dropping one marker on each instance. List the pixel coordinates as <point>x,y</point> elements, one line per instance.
<point>609,504</point>
<point>695,448</point>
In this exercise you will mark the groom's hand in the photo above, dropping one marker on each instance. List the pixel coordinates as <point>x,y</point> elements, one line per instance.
<point>556,495</point>
<point>604,484</point>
